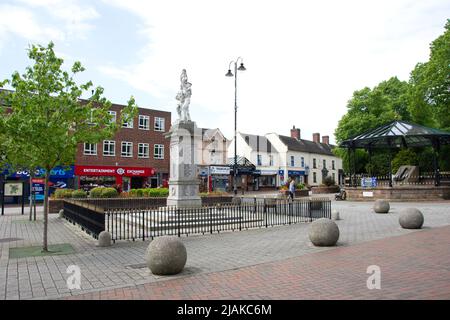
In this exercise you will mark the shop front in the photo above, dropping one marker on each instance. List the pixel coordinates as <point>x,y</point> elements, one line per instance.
<point>219,178</point>
<point>60,178</point>
<point>267,179</point>
<point>121,178</point>
<point>297,175</point>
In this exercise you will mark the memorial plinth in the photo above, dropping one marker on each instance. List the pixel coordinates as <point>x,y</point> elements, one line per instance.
<point>183,183</point>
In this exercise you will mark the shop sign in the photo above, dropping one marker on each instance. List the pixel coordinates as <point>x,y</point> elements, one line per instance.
<point>269,172</point>
<point>113,171</point>
<point>220,170</point>
<point>296,173</point>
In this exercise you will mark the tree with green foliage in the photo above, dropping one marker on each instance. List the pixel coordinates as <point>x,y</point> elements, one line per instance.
<point>405,157</point>
<point>425,100</point>
<point>47,118</point>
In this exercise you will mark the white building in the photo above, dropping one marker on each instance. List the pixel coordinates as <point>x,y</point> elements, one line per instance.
<point>279,157</point>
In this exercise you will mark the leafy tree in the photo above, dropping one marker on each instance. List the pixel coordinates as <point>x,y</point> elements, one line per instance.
<point>405,157</point>
<point>48,119</point>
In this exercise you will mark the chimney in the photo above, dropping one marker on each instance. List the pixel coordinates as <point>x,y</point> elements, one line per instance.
<point>326,140</point>
<point>316,137</point>
<point>295,133</point>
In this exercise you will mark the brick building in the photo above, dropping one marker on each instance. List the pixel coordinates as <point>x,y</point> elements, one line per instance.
<point>137,156</point>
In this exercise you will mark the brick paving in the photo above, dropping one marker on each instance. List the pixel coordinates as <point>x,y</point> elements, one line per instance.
<point>122,265</point>
<point>413,266</point>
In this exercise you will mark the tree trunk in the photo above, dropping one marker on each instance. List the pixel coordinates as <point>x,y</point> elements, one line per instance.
<point>47,173</point>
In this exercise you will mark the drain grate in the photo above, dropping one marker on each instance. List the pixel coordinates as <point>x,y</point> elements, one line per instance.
<point>9,239</point>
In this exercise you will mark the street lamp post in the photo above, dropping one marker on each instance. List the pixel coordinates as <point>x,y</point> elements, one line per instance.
<point>230,74</point>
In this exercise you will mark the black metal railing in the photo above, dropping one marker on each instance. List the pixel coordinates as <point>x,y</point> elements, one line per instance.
<point>90,218</point>
<point>138,223</point>
<point>425,179</point>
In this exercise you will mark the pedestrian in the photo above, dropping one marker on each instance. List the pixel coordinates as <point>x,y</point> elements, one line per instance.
<point>291,189</point>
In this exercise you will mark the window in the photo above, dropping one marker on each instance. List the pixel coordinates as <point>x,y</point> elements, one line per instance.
<point>90,149</point>
<point>259,160</point>
<point>270,160</point>
<point>128,124</point>
<point>144,122</point>
<point>143,150</point>
<point>159,124</point>
<point>334,177</point>
<point>127,149</point>
<point>158,151</point>
<point>324,163</point>
<point>113,115</point>
<point>314,177</point>
<point>314,164</point>
<point>332,165</point>
<point>292,161</point>
<point>109,148</point>
<point>303,162</point>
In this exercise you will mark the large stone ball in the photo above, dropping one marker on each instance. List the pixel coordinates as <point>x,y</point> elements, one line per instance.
<point>104,239</point>
<point>411,218</point>
<point>381,206</point>
<point>166,255</point>
<point>335,215</point>
<point>324,232</point>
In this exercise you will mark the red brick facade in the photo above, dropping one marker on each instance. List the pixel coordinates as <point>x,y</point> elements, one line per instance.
<point>134,135</point>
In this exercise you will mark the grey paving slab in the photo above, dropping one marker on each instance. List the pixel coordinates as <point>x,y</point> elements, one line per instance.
<point>123,264</point>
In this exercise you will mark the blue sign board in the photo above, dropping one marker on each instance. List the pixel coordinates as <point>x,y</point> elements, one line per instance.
<point>57,173</point>
<point>370,182</point>
<point>292,172</point>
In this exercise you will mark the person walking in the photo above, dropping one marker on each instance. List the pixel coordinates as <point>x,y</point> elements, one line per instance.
<point>291,189</point>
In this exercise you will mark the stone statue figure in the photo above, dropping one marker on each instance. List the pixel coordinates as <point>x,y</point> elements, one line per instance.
<point>184,98</point>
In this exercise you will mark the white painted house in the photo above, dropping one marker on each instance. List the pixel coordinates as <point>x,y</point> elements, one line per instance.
<point>279,157</point>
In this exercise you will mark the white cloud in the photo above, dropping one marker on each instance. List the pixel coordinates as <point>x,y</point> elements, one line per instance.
<point>20,22</point>
<point>304,59</point>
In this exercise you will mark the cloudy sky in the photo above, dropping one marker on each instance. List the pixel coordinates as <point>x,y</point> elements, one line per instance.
<point>304,59</point>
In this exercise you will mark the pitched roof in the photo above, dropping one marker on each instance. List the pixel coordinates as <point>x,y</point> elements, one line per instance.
<point>398,133</point>
<point>258,143</point>
<point>302,145</point>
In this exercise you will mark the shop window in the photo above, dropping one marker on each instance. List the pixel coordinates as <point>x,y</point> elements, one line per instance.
<point>127,149</point>
<point>109,148</point>
<point>144,122</point>
<point>90,149</point>
<point>143,150</point>
<point>158,151</point>
<point>159,124</point>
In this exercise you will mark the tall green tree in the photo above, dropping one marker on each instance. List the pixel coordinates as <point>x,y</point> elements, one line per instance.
<point>430,83</point>
<point>47,118</point>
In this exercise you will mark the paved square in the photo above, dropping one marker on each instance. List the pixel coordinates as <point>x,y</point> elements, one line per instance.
<point>212,257</point>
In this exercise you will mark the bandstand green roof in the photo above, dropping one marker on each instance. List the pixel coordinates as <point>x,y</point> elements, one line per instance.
<point>398,134</point>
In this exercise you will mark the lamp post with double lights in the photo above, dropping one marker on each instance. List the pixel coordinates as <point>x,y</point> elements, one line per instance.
<point>230,74</point>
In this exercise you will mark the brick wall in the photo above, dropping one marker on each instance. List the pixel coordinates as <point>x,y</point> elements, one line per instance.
<point>136,136</point>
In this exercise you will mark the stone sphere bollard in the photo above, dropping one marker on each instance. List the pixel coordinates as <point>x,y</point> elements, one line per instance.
<point>324,232</point>
<point>61,213</point>
<point>166,255</point>
<point>104,239</point>
<point>381,206</point>
<point>335,215</point>
<point>411,218</point>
